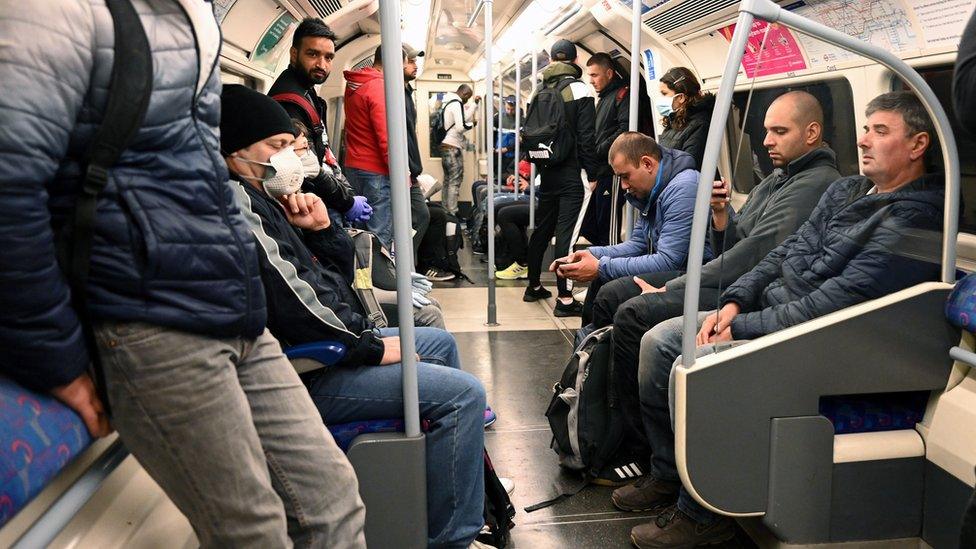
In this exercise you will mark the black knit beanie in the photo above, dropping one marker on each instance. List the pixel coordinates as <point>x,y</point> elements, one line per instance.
<point>248,117</point>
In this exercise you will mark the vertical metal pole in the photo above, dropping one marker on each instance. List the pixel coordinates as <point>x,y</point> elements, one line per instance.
<point>630,213</point>
<point>489,8</point>
<point>518,121</point>
<point>498,130</point>
<point>535,79</point>
<point>396,125</point>
<point>696,248</point>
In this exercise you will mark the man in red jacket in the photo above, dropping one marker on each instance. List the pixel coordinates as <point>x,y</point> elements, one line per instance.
<point>367,151</point>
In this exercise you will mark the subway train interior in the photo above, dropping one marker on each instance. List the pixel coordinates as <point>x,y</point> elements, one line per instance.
<point>804,169</point>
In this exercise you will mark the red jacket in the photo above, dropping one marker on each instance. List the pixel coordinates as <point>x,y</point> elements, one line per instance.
<point>365,108</point>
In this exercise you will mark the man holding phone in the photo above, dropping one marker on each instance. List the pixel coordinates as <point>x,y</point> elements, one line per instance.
<point>774,210</point>
<point>661,184</point>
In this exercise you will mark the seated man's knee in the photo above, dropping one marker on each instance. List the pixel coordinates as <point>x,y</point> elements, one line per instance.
<point>657,357</point>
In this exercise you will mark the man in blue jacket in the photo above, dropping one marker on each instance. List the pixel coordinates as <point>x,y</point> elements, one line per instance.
<point>200,391</point>
<point>869,236</point>
<point>660,183</point>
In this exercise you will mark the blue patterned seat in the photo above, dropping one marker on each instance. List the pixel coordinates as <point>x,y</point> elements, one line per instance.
<point>872,413</point>
<point>38,437</point>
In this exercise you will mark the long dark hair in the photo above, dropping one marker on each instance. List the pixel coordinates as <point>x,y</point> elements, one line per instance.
<point>682,80</point>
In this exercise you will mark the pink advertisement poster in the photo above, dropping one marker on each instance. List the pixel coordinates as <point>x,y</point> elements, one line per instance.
<point>781,54</point>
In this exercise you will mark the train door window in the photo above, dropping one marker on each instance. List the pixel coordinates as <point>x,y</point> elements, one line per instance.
<point>939,78</point>
<point>753,164</point>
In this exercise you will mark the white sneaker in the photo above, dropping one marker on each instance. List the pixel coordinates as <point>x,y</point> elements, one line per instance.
<point>508,484</point>
<point>480,545</point>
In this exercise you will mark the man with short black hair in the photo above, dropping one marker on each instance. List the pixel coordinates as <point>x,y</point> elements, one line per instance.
<point>612,119</point>
<point>869,236</point>
<point>310,63</point>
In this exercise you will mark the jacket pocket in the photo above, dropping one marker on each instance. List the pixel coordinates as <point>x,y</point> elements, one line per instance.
<point>142,238</point>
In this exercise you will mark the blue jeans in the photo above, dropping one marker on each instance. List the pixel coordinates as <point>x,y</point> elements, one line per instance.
<point>376,188</point>
<point>452,401</point>
<point>659,350</point>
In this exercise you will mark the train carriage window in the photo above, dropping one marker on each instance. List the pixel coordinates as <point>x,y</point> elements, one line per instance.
<point>939,78</point>
<point>839,132</point>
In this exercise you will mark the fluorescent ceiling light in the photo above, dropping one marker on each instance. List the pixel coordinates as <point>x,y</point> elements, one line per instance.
<point>534,18</point>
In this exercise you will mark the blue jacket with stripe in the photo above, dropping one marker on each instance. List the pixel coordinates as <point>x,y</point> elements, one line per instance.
<point>307,278</point>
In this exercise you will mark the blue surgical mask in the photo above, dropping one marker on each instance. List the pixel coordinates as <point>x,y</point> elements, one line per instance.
<point>663,105</point>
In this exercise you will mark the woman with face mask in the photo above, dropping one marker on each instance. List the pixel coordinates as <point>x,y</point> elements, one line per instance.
<point>686,113</point>
<point>326,180</point>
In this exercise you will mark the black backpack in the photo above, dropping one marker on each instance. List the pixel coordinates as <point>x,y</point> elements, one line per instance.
<point>546,135</point>
<point>437,130</point>
<point>499,510</point>
<point>585,419</point>
<point>373,268</point>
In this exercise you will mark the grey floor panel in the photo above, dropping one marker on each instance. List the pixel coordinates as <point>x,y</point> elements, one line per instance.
<point>518,370</point>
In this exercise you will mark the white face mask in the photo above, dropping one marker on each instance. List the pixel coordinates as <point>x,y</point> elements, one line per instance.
<point>663,105</point>
<point>310,163</point>
<point>284,175</point>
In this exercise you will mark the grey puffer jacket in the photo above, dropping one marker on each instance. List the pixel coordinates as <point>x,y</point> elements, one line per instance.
<point>855,247</point>
<point>170,246</point>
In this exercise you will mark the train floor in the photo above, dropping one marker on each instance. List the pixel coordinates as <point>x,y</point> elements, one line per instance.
<point>518,361</point>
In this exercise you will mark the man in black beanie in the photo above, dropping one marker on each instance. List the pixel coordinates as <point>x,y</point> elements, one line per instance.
<point>307,279</point>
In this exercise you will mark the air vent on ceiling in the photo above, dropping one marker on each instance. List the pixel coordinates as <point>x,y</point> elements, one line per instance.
<point>368,62</point>
<point>326,8</point>
<point>685,13</point>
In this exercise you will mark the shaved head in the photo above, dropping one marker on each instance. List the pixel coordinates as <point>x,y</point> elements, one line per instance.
<point>794,127</point>
<point>806,109</point>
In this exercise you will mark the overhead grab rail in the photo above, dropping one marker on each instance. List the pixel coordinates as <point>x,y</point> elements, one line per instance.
<point>766,10</point>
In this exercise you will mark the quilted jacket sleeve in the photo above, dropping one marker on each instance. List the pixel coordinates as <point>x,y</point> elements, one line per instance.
<point>44,78</point>
<point>880,268</point>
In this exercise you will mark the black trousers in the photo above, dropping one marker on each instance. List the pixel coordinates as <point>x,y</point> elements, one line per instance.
<point>632,318</point>
<point>433,245</point>
<point>419,217</point>
<point>560,199</point>
<point>513,220</point>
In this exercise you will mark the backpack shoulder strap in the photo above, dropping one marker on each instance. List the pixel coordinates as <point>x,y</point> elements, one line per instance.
<point>128,99</point>
<point>302,102</point>
<point>622,93</point>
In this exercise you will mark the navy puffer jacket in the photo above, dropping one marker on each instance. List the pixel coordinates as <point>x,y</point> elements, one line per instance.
<point>170,245</point>
<point>855,247</point>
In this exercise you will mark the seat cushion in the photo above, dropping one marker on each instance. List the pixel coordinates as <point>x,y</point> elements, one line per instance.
<point>344,433</point>
<point>874,413</point>
<point>38,437</point>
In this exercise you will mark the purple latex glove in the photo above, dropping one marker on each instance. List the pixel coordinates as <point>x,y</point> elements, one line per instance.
<point>360,211</point>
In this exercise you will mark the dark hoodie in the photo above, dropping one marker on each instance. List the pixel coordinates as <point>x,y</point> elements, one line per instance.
<point>855,247</point>
<point>580,115</point>
<point>692,137</point>
<point>612,119</point>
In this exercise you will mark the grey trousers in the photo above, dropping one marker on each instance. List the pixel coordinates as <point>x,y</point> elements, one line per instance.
<point>230,433</point>
<point>428,315</point>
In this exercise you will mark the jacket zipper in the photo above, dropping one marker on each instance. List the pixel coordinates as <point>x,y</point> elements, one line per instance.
<point>215,185</point>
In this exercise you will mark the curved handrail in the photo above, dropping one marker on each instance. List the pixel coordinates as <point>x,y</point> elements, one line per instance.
<point>766,10</point>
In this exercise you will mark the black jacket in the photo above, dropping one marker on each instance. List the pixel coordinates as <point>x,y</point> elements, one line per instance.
<point>855,247</point>
<point>612,119</point>
<point>307,279</point>
<point>413,148</point>
<point>775,209</point>
<point>580,114</point>
<point>332,188</point>
<point>692,137</point>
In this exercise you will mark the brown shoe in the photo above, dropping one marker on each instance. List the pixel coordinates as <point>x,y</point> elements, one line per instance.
<point>673,529</point>
<point>646,494</point>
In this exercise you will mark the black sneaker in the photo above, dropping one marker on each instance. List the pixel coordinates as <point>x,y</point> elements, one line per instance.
<point>535,294</point>
<point>437,275</point>
<point>573,309</point>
